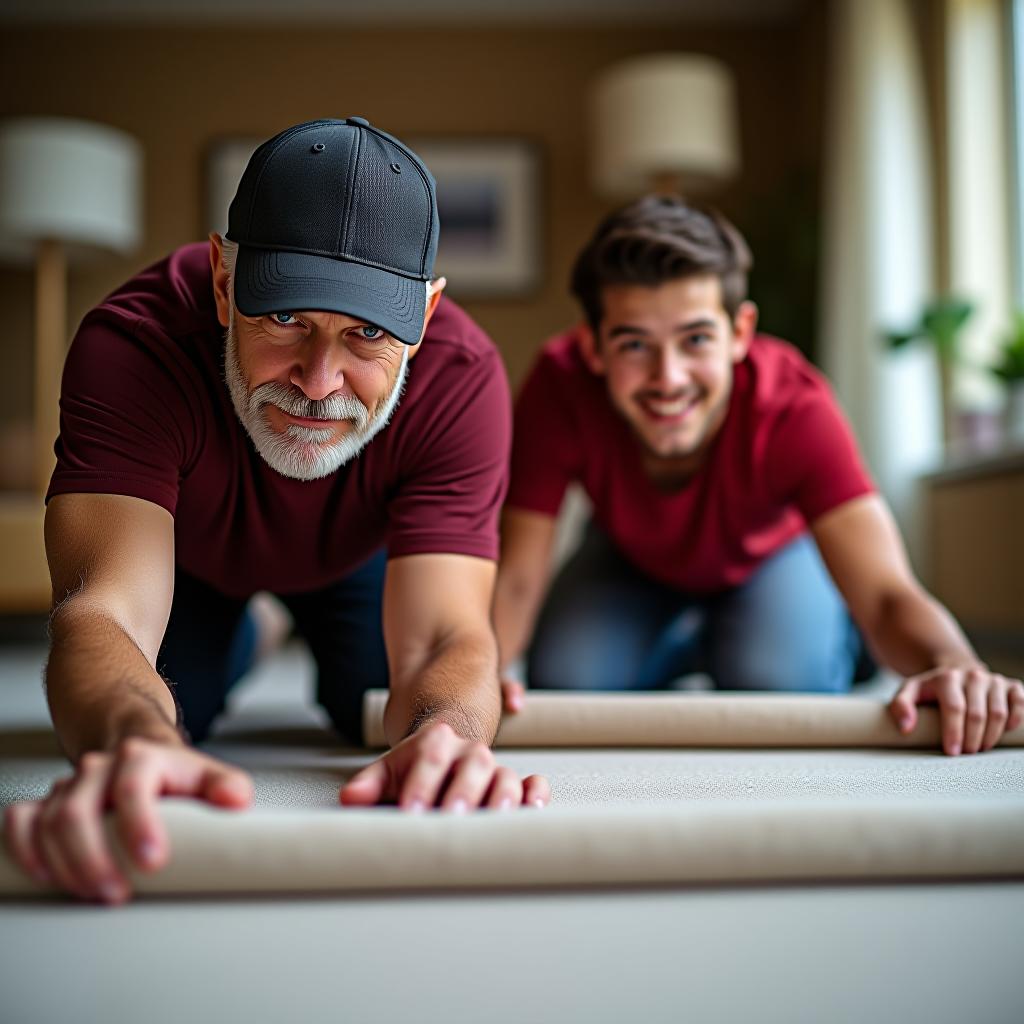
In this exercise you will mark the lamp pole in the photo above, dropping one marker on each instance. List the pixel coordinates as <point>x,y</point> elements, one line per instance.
<point>65,185</point>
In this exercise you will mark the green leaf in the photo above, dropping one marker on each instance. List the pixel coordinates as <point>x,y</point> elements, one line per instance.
<point>897,339</point>
<point>1017,337</point>
<point>1010,367</point>
<point>943,320</point>
<point>956,311</point>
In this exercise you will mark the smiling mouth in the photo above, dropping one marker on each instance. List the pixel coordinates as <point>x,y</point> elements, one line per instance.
<point>674,409</point>
<point>311,421</point>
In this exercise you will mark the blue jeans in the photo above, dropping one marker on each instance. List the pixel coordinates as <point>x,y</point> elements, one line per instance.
<point>607,626</point>
<point>210,643</point>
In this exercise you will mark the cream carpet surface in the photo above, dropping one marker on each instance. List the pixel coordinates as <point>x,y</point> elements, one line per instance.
<point>297,762</point>
<point>785,951</point>
<point>665,815</point>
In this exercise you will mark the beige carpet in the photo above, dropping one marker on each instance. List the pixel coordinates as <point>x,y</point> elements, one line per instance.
<point>783,952</point>
<point>703,814</point>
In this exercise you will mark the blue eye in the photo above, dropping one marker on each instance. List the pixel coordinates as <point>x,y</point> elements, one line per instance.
<point>371,333</point>
<point>284,319</point>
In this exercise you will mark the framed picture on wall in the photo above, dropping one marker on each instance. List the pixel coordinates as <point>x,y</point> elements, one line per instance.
<point>488,197</point>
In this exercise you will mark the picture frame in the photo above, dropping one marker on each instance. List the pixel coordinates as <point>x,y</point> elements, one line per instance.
<point>489,201</point>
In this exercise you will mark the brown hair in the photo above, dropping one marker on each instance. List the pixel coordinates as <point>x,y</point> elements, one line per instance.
<point>658,239</point>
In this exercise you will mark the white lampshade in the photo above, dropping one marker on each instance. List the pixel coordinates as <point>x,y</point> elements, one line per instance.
<point>69,181</point>
<point>668,114</point>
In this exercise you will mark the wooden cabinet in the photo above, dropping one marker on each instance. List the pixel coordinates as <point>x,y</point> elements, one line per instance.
<point>976,552</point>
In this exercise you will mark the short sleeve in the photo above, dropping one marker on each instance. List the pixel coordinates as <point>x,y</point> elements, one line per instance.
<point>545,446</point>
<point>455,471</point>
<point>814,462</point>
<point>126,424</point>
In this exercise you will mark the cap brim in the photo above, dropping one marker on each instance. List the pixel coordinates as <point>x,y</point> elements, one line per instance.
<point>289,282</point>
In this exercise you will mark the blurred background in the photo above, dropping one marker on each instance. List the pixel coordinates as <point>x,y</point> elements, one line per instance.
<point>868,150</point>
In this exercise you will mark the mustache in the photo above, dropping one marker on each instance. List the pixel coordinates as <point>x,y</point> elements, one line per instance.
<point>334,407</point>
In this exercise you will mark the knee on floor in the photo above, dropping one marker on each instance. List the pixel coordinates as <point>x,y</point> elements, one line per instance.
<point>775,673</point>
<point>566,667</point>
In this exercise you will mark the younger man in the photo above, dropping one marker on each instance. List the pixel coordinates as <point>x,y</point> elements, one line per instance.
<point>730,501</point>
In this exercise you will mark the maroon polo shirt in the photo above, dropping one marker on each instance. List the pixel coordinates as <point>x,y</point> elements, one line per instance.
<point>145,412</point>
<point>784,456</point>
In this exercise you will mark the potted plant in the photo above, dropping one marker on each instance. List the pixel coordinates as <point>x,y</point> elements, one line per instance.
<point>1010,370</point>
<point>941,323</point>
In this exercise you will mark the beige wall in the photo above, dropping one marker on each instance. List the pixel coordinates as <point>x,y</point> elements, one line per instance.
<point>177,89</point>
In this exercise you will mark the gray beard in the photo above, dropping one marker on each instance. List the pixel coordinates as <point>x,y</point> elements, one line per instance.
<point>300,452</point>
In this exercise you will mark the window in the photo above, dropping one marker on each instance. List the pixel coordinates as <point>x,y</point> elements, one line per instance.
<point>1017,108</point>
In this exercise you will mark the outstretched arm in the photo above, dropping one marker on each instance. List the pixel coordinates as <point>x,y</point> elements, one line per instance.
<point>112,569</point>
<point>911,632</point>
<point>444,708</point>
<point>527,539</point>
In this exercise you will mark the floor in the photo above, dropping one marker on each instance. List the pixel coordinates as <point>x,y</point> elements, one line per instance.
<point>792,953</point>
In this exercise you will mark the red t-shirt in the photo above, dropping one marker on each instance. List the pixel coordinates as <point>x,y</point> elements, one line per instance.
<point>784,456</point>
<point>145,412</point>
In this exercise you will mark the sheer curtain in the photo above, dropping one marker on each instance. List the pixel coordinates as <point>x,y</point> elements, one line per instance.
<point>878,265</point>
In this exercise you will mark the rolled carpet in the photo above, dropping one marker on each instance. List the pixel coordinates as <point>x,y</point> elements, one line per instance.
<point>336,850</point>
<point>562,719</point>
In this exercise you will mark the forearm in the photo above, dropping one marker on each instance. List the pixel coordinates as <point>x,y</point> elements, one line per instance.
<point>457,684</point>
<point>100,687</point>
<point>516,603</point>
<point>913,633</point>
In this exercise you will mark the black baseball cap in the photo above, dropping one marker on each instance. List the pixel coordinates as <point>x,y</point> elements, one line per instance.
<point>336,215</point>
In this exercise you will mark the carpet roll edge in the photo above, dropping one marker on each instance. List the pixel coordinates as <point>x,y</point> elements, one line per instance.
<point>218,853</point>
<point>699,720</point>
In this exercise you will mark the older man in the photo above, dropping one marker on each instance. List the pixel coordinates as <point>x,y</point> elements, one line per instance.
<point>197,467</point>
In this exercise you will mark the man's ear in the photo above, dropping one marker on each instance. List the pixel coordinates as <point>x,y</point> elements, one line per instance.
<point>590,350</point>
<point>221,280</point>
<point>744,325</point>
<point>434,290</point>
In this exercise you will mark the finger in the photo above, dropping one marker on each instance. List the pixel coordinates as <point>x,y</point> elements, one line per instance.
<point>903,706</point>
<point>19,819</point>
<point>513,694</point>
<point>147,771</point>
<point>536,791</point>
<point>998,713</point>
<point>432,752</point>
<point>506,790</point>
<point>81,835</point>
<point>471,778</point>
<point>187,772</point>
<point>976,691</point>
<point>1016,699</point>
<point>226,786</point>
<point>953,713</point>
<point>137,780</point>
<point>366,787</point>
<point>47,845</point>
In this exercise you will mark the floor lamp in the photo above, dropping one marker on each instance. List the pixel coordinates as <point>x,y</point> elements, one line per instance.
<point>68,189</point>
<point>663,122</point>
